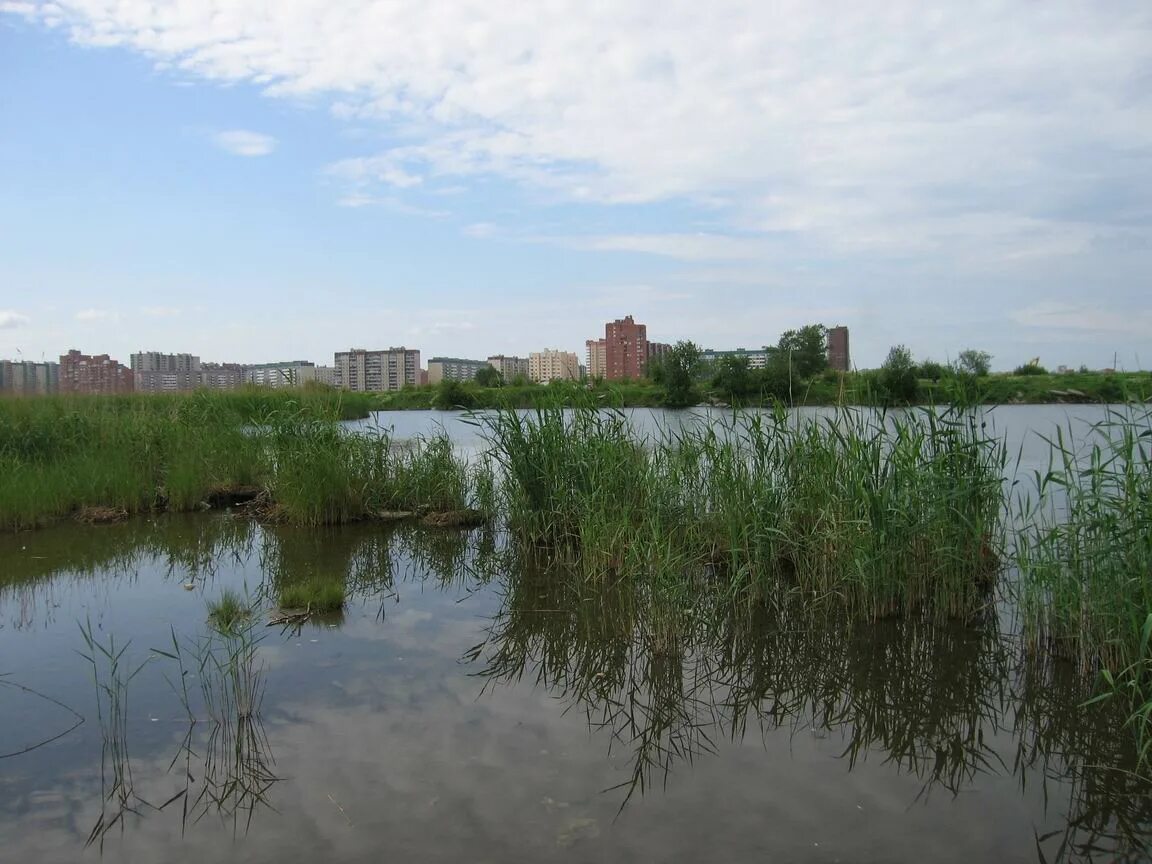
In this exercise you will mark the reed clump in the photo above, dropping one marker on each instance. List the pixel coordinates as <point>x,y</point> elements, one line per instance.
<point>228,612</point>
<point>1084,552</point>
<point>316,595</point>
<point>888,514</point>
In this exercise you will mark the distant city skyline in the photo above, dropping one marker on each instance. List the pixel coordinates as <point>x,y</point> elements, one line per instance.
<point>269,181</point>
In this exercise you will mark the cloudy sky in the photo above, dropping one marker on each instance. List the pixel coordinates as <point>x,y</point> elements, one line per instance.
<point>253,180</point>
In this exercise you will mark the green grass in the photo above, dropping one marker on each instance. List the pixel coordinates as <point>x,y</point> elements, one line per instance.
<point>147,453</point>
<point>316,595</point>
<point>228,612</point>
<point>1084,553</point>
<point>885,514</point>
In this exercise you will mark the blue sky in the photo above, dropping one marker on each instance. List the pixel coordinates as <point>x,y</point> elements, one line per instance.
<point>263,181</point>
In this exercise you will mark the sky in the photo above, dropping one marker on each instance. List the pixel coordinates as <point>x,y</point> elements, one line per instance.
<point>256,181</point>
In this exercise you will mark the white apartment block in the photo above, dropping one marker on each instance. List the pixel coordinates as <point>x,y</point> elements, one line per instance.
<point>597,356</point>
<point>293,373</point>
<point>363,370</point>
<point>553,365</point>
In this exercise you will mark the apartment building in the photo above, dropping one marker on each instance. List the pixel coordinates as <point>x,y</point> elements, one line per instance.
<point>553,365</point>
<point>656,351</point>
<point>510,367</point>
<point>157,372</point>
<point>596,355</point>
<point>625,349</point>
<point>28,378</point>
<point>222,376</point>
<point>364,370</point>
<point>290,373</point>
<point>756,359</point>
<point>838,356</point>
<point>453,369</point>
<point>93,373</point>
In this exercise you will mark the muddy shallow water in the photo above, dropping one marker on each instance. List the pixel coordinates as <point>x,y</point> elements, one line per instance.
<point>465,707</point>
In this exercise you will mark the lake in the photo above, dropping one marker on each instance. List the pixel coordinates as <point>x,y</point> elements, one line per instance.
<point>463,707</point>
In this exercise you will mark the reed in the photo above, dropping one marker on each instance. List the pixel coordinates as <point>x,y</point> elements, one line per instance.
<point>316,595</point>
<point>228,612</point>
<point>888,514</point>
<point>1084,550</point>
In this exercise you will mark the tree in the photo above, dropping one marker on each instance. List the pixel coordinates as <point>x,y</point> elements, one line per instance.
<point>898,376</point>
<point>676,373</point>
<point>451,395</point>
<point>732,378</point>
<point>489,376</point>
<point>973,362</point>
<point>805,351</point>
<point>931,370</point>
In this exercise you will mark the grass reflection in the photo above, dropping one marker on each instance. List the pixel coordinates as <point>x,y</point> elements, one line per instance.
<point>946,702</point>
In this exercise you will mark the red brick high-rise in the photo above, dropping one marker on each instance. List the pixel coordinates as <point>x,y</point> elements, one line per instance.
<point>625,349</point>
<point>84,373</point>
<point>838,357</point>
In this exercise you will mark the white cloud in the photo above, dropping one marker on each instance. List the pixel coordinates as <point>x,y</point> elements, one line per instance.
<point>870,127</point>
<point>161,311</point>
<point>241,142</point>
<point>1082,317</point>
<point>391,203</point>
<point>481,230</point>
<point>10,319</point>
<point>685,247</point>
<point>96,315</point>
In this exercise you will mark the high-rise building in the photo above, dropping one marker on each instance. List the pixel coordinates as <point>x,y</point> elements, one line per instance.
<point>363,370</point>
<point>291,373</point>
<point>86,373</point>
<point>453,369</point>
<point>656,351</point>
<point>838,356</point>
<point>625,349</point>
<point>157,372</point>
<point>553,365</point>
<point>222,376</point>
<point>596,356</point>
<point>510,367</point>
<point>28,378</point>
<point>756,359</point>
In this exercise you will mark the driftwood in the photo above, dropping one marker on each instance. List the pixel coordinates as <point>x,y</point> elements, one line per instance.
<point>455,519</point>
<point>291,617</point>
<point>101,515</point>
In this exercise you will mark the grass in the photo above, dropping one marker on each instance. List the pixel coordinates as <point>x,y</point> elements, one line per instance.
<point>146,453</point>
<point>316,595</point>
<point>229,612</point>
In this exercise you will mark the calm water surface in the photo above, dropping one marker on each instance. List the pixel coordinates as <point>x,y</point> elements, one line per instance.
<point>465,707</point>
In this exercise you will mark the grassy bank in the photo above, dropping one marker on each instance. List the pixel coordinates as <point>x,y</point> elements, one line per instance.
<point>102,458</point>
<point>831,388</point>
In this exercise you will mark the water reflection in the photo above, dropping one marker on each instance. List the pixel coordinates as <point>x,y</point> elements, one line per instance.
<point>945,704</point>
<point>668,685</point>
<point>224,763</point>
